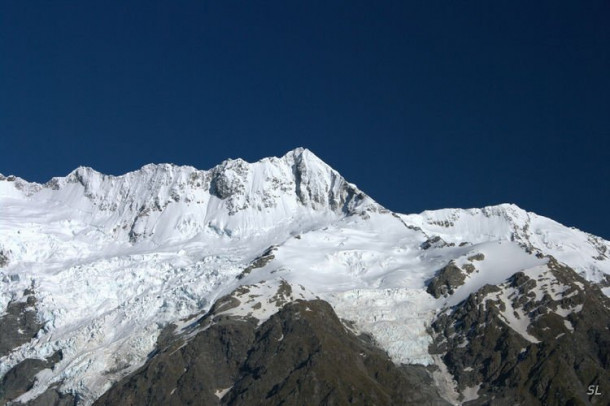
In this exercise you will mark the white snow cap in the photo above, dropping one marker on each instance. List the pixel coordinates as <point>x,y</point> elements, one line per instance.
<point>165,201</point>
<point>113,259</point>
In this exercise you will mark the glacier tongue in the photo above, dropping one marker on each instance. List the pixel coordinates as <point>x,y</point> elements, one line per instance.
<point>113,259</point>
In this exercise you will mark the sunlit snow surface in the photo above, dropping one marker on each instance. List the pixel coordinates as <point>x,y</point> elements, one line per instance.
<point>109,270</point>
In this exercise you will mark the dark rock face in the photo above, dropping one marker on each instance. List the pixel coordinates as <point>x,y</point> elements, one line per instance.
<point>477,257</point>
<point>302,355</point>
<point>556,350</point>
<point>446,280</point>
<point>3,259</point>
<point>52,397</point>
<point>452,276</point>
<point>434,242</point>
<point>229,179</point>
<point>259,262</point>
<point>19,325</point>
<point>21,377</point>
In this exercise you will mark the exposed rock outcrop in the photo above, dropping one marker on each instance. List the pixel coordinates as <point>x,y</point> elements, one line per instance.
<point>536,340</point>
<point>19,324</point>
<point>302,355</point>
<point>447,279</point>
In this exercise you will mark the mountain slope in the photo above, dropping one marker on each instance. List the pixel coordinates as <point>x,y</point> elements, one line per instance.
<point>539,338</point>
<point>109,263</point>
<point>301,355</point>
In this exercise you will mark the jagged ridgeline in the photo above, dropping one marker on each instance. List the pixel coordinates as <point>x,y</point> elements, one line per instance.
<point>278,282</point>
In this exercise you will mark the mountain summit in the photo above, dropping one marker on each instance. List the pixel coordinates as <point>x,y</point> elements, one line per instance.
<point>133,288</point>
<point>235,198</point>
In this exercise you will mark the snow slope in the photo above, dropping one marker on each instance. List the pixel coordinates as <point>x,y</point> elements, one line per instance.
<point>112,260</point>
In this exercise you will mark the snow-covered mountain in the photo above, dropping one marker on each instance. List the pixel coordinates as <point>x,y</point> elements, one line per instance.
<point>95,267</point>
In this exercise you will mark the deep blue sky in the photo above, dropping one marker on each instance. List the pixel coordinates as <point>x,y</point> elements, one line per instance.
<point>422,104</point>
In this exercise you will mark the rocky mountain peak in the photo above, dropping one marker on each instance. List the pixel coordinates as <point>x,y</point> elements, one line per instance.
<point>233,198</point>
<point>94,268</point>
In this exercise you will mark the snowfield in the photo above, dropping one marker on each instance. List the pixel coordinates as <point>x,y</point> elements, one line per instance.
<point>113,260</point>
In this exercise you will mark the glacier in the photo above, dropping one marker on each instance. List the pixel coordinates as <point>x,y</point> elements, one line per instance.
<point>115,259</point>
